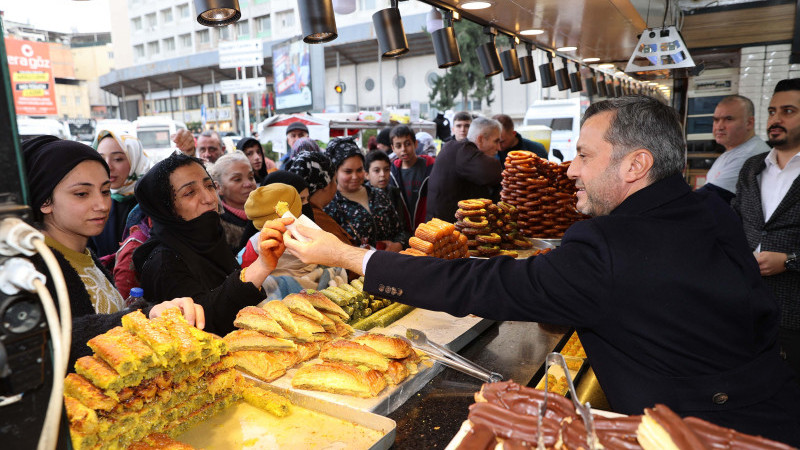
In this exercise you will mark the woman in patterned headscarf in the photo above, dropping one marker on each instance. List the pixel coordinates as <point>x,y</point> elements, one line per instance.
<point>128,162</point>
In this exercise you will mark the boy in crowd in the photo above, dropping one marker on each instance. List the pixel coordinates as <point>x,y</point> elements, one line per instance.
<point>410,173</point>
<point>461,122</point>
<point>378,176</point>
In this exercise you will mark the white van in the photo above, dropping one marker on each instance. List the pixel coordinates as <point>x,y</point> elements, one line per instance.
<point>156,133</point>
<point>564,118</point>
<point>29,127</point>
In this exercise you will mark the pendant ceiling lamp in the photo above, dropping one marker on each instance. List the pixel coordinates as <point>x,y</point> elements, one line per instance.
<point>618,89</point>
<point>526,69</point>
<point>591,84</point>
<point>547,73</point>
<point>389,31</point>
<point>602,88</point>
<point>217,13</point>
<point>510,61</point>
<point>317,21</point>
<point>445,45</point>
<point>562,76</point>
<point>488,56</point>
<point>575,81</point>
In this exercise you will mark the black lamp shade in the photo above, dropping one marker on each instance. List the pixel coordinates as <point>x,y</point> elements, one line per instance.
<point>591,87</point>
<point>217,13</point>
<point>602,90</point>
<point>526,70</point>
<point>562,79</point>
<point>575,83</point>
<point>390,33</point>
<point>489,59</point>
<point>618,89</point>
<point>548,74</point>
<point>446,47</point>
<point>317,21</point>
<point>511,68</point>
<point>611,92</point>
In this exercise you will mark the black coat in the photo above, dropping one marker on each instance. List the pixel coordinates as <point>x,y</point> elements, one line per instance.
<point>166,276</point>
<point>461,172</point>
<point>666,297</point>
<point>781,233</point>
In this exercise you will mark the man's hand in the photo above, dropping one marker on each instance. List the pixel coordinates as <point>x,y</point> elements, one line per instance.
<point>324,248</point>
<point>184,140</point>
<point>771,263</point>
<point>193,312</point>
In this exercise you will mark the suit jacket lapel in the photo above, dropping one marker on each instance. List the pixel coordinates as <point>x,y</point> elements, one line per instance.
<point>792,196</point>
<point>752,178</point>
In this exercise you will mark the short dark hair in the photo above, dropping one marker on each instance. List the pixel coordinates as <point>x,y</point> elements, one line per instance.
<point>376,155</point>
<point>643,122</point>
<point>789,84</point>
<point>401,131</point>
<point>749,108</point>
<point>462,115</point>
<point>505,121</point>
<point>212,133</point>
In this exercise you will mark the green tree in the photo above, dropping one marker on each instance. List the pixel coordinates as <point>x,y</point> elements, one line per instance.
<point>466,78</point>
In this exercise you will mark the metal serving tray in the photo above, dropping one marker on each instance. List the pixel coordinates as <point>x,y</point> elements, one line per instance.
<point>233,429</point>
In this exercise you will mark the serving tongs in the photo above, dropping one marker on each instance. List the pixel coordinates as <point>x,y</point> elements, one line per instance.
<point>584,410</point>
<point>450,358</point>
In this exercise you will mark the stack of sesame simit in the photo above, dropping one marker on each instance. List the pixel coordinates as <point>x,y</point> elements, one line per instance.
<point>542,192</point>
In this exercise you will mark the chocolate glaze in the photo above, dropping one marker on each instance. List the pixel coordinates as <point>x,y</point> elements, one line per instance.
<point>720,437</point>
<point>509,425</point>
<point>524,400</point>
<point>479,437</point>
<point>682,436</point>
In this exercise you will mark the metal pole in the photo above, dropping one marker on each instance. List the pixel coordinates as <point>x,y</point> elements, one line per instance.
<point>182,100</point>
<point>216,101</point>
<point>119,110</point>
<point>380,82</point>
<point>397,80</point>
<point>355,67</point>
<point>124,113</point>
<point>257,107</point>
<point>245,107</point>
<point>150,97</point>
<point>339,80</point>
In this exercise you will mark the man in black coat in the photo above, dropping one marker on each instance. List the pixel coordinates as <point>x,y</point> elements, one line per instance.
<point>466,169</point>
<point>510,140</point>
<point>768,201</point>
<point>660,285</point>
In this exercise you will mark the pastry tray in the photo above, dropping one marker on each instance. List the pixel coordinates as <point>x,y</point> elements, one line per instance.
<point>243,426</point>
<point>442,328</point>
<point>538,379</point>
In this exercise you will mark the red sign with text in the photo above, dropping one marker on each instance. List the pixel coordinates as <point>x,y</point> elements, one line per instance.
<point>31,78</point>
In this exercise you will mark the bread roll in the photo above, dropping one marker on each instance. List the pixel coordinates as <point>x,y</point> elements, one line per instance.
<point>254,318</point>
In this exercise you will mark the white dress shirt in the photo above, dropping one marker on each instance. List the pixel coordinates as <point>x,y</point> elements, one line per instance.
<point>775,182</point>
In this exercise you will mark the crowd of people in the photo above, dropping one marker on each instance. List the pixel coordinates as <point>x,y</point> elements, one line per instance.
<point>199,231</point>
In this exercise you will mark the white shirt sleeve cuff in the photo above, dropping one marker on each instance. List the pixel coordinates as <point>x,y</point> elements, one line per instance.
<point>366,260</point>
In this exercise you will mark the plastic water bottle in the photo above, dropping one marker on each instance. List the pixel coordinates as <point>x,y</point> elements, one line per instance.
<point>135,295</point>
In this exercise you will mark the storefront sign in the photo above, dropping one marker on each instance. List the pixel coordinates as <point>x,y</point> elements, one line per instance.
<point>32,78</point>
<point>243,86</point>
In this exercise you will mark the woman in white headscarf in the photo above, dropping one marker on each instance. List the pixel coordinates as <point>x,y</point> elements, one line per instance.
<point>127,160</point>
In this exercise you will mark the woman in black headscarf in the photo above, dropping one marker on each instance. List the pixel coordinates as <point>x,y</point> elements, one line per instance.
<point>187,254</point>
<point>70,194</point>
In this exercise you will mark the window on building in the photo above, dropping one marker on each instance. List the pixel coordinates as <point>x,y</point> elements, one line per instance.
<point>136,24</point>
<point>263,26</point>
<point>285,18</point>
<point>186,40</point>
<point>211,101</point>
<point>138,50</point>
<point>224,100</point>
<point>153,48</point>
<point>175,104</point>
<point>243,29</point>
<point>64,99</point>
<point>166,15</point>
<point>150,20</point>
<point>366,5</point>
<point>169,44</point>
<point>193,101</point>
<point>203,37</point>
<point>183,11</point>
<point>224,33</point>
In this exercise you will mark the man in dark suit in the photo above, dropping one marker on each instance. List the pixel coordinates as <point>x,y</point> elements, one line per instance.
<point>660,284</point>
<point>466,169</point>
<point>768,201</point>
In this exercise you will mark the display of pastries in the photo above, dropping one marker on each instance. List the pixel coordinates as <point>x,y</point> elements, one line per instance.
<point>490,229</point>
<point>439,239</point>
<point>542,192</point>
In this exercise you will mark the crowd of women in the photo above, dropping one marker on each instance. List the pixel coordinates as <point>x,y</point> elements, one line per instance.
<point>190,234</point>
